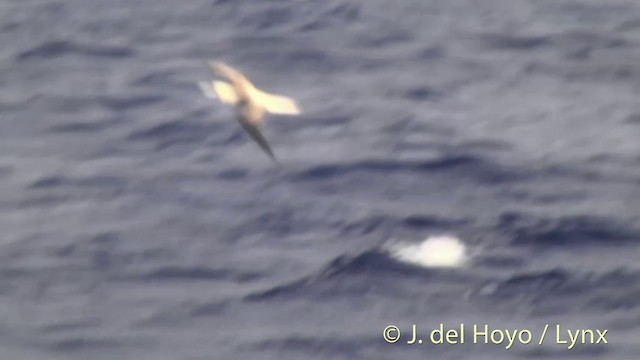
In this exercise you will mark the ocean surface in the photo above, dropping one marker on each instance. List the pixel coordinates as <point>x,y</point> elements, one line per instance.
<point>457,162</point>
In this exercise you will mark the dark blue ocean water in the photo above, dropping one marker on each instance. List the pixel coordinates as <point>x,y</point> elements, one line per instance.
<point>138,221</point>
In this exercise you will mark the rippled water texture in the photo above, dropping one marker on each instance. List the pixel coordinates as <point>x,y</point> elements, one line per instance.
<point>140,222</point>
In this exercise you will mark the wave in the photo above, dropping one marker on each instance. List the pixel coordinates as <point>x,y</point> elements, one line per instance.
<point>578,230</point>
<point>464,165</point>
<point>55,48</point>
<point>561,291</point>
<point>376,270</point>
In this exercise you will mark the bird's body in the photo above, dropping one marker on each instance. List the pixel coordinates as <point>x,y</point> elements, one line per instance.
<point>251,103</point>
<point>250,118</point>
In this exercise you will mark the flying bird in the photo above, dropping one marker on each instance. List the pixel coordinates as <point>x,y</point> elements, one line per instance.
<point>250,102</point>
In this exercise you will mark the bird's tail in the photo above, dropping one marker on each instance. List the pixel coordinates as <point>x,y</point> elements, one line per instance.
<point>256,135</point>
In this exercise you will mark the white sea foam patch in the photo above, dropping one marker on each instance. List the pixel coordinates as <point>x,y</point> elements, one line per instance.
<point>434,251</point>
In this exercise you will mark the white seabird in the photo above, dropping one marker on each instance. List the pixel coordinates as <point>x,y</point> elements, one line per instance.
<point>251,103</point>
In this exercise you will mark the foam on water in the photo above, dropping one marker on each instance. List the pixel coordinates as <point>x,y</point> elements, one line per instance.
<point>434,251</point>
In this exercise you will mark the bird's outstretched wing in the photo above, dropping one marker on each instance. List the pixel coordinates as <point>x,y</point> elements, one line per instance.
<point>220,90</point>
<point>234,76</point>
<point>276,104</point>
<point>225,91</point>
<point>207,90</point>
<point>241,86</point>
